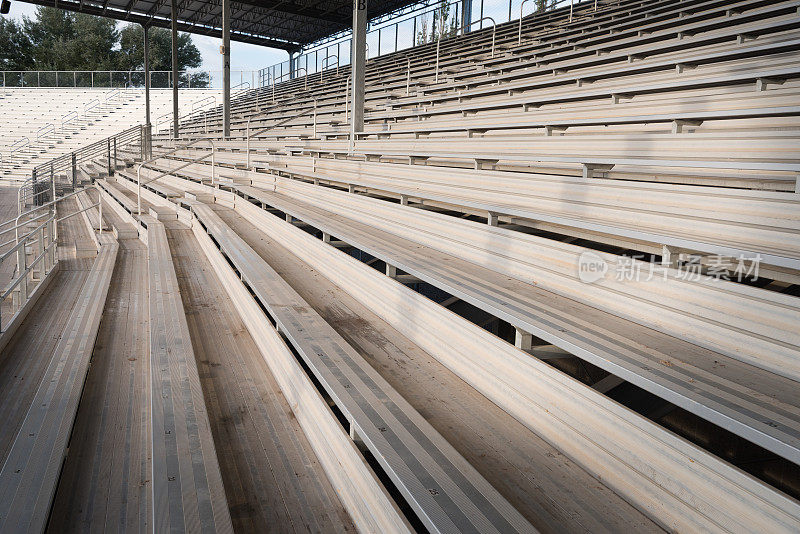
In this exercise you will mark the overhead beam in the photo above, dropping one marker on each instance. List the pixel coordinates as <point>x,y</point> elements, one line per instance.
<point>281,7</point>
<point>165,22</point>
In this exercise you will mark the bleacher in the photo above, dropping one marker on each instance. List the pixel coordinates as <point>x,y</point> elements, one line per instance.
<point>551,286</point>
<point>42,124</point>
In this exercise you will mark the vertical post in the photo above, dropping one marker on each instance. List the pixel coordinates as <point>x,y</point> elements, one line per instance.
<point>74,172</point>
<point>466,14</point>
<point>115,154</point>
<point>46,255</point>
<point>146,133</point>
<point>21,266</point>
<point>226,68</point>
<point>358,61</point>
<point>108,154</point>
<point>38,273</point>
<point>175,115</point>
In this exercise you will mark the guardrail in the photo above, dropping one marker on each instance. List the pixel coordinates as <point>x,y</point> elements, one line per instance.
<point>326,63</point>
<point>47,128</point>
<point>90,105</point>
<point>31,271</point>
<point>409,24</point>
<point>139,183</point>
<point>18,145</point>
<point>43,183</point>
<point>159,79</point>
<point>68,117</point>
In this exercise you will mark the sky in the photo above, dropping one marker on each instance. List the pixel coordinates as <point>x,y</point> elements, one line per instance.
<point>244,56</point>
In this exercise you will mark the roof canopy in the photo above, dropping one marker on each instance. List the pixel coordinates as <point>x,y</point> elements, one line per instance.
<point>285,24</point>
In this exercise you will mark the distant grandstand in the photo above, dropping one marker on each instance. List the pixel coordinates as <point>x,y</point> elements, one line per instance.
<point>539,272</point>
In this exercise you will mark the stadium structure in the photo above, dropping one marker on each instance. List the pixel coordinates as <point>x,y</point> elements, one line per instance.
<point>536,275</point>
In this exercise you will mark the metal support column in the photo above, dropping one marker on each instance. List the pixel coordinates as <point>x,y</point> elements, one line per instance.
<point>147,129</point>
<point>466,15</point>
<point>146,75</point>
<point>175,114</point>
<point>359,58</point>
<point>226,68</point>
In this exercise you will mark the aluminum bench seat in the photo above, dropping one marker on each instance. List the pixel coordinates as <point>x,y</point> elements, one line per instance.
<point>756,404</point>
<point>30,474</point>
<point>443,489</point>
<point>187,483</point>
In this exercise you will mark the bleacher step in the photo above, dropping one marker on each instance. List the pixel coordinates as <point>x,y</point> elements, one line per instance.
<point>163,213</point>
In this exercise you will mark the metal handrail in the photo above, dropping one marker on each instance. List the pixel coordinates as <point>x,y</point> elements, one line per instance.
<point>56,167</point>
<point>276,81</point>
<point>114,93</point>
<point>49,203</point>
<point>519,32</point>
<point>305,76</point>
<point>408,76</point>
<point>325,62</point>
<point>73,115</point>
<point>87,108</point>
<point>281,122</point>
<point>342,39</point>
<point>182,147</point>
<point>21,239</point>
<point>24,269</point>
<point>49,127</point>
<point>22,142</point>
<point>18,225</point>
<point>204,99</point>
<point>166,117</point>
<point>91,77</point>
<point>439,40</point>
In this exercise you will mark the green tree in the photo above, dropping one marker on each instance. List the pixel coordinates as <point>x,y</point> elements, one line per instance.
<point>544,5</point>
<point>59,40</point>
<point>443,25</point>
<point>131,54</point>
<point>16,51</point>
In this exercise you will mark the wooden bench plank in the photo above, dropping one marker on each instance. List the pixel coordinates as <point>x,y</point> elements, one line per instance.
<point>751,402</point>
<point>188,494</point>
<point>445,491</point>
<point>30,474</point>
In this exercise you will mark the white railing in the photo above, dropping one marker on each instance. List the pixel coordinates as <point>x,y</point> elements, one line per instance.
<point>30,270</point>
<point>139,183</point>
<point>44,130</point>
<point>159,79</point>
<point>406,25</point>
